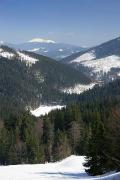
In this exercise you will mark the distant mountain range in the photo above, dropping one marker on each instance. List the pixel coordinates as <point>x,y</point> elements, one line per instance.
<point>48,48</point>
<point>101,63</point>
<point>30,79</point>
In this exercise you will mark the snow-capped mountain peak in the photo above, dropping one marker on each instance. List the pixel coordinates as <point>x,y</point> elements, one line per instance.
<point>40,40</point>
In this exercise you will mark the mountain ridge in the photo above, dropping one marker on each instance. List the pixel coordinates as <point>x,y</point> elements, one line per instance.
<point>47,48</point>
<point>101,63</point>
<point>31,79</point>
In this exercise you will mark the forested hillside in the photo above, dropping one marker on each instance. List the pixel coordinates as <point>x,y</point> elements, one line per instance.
<point>90,127</point>
<point>28,80</point>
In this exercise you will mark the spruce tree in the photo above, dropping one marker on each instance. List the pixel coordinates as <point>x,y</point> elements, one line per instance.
<point>95,157</point>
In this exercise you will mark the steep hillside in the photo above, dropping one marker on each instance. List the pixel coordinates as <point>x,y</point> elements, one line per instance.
<point>30,79</point>
<point>101,63</point>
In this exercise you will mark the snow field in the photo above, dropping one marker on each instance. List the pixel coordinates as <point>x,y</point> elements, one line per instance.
<point>70,168</point>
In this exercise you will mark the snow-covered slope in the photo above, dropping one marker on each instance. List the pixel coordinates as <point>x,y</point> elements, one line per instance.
<point>27,58</point>
<point>70,168</point>
<point>11,54</point>
<point>42,110</point>
<point>5,54</point>
<point>100,63</point>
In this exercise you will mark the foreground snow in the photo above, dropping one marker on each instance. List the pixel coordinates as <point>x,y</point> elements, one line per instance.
<point>70,168</point>
<point>42,110</point>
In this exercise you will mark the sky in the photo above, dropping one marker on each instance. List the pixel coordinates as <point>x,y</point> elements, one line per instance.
<point>79,22</point>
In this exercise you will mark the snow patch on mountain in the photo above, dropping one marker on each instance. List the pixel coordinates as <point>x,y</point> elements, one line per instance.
<point>42,110</point>
<point>19,55</point>
<point>61,50</point>
<point>98,65</point>
<point>39,40</point>
<point>78,88</point>
<point>34,50</point>
<point>85,57</point>
<point>103,64</point>
<point>6,54</point>
<point>28,59</point>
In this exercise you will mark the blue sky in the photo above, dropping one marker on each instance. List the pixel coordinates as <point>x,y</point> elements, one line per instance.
<point>80,22</point>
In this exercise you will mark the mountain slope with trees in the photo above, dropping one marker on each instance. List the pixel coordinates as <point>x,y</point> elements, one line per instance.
<point>28,79</point>
<point>101,63</point>
<point>89,127</point>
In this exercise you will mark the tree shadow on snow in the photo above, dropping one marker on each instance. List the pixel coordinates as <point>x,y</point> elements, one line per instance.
<point>66,175</point>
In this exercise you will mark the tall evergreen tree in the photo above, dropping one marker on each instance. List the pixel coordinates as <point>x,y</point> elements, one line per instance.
<point>95,157</point>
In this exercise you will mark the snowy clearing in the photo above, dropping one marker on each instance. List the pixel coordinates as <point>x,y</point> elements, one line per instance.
<point>70,168</point>
<point>42,110</point>
<point>78,88</point>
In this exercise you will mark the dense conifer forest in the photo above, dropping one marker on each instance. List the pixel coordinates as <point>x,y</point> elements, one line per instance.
<point>89,126</point>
